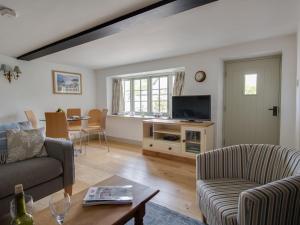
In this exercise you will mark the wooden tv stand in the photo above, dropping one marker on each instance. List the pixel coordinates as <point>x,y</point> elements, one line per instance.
<point>177,139</point>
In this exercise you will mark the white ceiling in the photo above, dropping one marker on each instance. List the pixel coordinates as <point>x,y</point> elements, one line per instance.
<point>222,23</point>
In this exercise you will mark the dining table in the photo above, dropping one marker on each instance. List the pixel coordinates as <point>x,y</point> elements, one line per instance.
<point>72,118</point>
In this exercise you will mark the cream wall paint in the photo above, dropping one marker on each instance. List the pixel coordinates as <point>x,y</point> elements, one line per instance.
<point>212,62</point>
<point>298,83</point>
<point>34,90</point>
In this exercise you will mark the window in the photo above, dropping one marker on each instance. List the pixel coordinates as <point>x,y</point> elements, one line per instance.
<point>159,95</point>
<point>127,95</point>
<point>250,86</point>
<point>140,97</point>
<point>148,94</point>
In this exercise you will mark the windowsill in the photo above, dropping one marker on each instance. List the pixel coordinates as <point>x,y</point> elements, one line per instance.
<point>131,117</point>
<point>135,117</point>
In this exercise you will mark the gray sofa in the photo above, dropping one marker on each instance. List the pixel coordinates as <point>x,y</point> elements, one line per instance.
<point>249,185</point>
<point>39,176</point>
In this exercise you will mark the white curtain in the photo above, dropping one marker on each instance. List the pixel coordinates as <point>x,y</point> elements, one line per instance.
<point>178,83</point>
<point>117,96</point>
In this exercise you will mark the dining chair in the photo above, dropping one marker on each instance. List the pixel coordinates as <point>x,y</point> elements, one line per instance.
<point>31,118</point>
<point>57,127</point>
<point>74,125</point>
<point>97,124</point>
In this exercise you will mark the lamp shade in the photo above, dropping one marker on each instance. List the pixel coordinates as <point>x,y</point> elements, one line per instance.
<point>5,68</point>
<point>17,69</point>
<point>2,68</point>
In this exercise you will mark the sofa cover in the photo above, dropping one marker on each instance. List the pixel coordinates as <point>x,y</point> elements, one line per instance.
<point>40,176</point>
<point>249,185</point>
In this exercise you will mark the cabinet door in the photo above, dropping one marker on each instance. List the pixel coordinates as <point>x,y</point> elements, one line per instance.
<point>193,140</point>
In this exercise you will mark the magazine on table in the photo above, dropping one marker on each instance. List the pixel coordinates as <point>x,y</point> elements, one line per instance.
<point>105,195</point>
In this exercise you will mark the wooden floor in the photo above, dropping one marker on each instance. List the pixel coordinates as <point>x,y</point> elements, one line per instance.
<point>175,180</point>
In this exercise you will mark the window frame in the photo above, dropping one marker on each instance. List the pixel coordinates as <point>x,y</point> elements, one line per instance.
<point>149,92</point>
<point>132,103</point>
<point>130,93</point>
<point>245,84</point>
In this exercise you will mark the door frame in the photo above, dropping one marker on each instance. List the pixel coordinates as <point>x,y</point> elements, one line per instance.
<point>225,62</point>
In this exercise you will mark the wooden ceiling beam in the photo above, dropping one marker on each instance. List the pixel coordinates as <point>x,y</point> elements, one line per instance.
<point>155,11</point>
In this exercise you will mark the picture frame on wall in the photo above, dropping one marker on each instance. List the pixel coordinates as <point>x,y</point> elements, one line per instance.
<point>66,83</point>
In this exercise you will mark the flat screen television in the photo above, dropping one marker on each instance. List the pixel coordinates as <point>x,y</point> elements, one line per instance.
<point>191,107</point>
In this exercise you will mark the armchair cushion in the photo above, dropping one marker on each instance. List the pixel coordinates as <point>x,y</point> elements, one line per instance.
<point>218,199</point>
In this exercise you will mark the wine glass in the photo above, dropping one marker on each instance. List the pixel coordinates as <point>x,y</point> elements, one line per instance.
<point>28,204</point>
<point>59,208</point>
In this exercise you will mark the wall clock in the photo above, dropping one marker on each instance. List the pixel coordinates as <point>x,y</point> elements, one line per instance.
<point>200,76</point>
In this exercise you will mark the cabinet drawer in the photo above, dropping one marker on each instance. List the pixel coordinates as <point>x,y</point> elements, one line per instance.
<point>167,146</point>
<point>148,143</point>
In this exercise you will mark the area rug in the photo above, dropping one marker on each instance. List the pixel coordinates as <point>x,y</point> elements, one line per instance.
<point>159,215</point>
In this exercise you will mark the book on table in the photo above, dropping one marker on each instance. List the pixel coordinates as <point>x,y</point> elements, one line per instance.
<point>104,195</point>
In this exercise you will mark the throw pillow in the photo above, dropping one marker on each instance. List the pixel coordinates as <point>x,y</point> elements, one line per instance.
<point>25,144</point>
<point>3,139</point>
<point>26,125</point>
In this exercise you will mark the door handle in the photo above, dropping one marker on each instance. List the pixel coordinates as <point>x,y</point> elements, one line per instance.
<point>275,110</point>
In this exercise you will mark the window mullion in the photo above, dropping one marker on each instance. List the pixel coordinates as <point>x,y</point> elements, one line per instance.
<point>140,95</point>
<point>149,96</point>
<point>159,94</point>
<point>131,96</point>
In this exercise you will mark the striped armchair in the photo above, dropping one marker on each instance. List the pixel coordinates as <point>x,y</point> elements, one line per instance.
<point>249,185</point>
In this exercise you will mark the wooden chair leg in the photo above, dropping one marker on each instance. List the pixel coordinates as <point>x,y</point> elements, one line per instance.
<point>68,190</point>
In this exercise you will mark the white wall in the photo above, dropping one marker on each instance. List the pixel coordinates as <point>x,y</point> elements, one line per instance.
<point>212,63</point>
<point>298,84</point>
<point>34,90</point>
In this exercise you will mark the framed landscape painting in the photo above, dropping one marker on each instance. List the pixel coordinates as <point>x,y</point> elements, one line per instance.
<point>66,83</point>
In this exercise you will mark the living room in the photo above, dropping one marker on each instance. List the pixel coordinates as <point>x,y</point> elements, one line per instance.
<point>201,41</point>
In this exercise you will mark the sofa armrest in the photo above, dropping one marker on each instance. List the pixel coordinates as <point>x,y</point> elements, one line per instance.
<point>270,204</point>
<point>63,151</point>
<point>228,162</point>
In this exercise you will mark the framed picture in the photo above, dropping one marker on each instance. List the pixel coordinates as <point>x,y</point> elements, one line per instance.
<point>66,83</point>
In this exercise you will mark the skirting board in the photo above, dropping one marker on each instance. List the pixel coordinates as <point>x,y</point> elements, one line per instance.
<point>170,157</point>
<point>117,139</point>
<point>124,140</point>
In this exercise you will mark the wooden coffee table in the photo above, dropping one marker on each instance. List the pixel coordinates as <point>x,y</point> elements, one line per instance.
<point>103,214</point>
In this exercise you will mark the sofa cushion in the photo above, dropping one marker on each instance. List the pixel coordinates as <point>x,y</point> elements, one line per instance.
<point>269,163</point>
<point>29,172</point>
<point>25,144</point>
<point>218,199</point>
<point>3,138</point>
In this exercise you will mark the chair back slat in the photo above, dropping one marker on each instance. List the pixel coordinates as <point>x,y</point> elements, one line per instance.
<point>103,118</point>
<point>32,118</point>
<point>95,117</point>
<point>56,125</point>
<point>74,112</point>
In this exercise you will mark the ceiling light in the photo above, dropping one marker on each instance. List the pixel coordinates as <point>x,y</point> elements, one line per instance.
<point>4,11</point>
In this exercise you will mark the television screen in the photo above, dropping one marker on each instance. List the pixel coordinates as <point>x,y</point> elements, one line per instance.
<point>191,107</point>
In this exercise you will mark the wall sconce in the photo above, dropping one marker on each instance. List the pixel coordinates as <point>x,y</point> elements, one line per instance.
<point>10,73</point>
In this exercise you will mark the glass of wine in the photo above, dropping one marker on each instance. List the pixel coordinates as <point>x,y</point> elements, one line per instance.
<point>28,203</point>
<point>59,207</point>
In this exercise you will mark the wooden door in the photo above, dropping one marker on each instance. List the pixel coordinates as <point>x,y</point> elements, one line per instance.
<point>251,101</point>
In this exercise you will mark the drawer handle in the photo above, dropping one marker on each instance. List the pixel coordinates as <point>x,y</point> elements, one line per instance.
<point>151,145</point>
<point>170,148</point>
<point>183,141</point>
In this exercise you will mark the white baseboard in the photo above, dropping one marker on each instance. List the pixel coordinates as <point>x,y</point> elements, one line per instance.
<point>117,139</point>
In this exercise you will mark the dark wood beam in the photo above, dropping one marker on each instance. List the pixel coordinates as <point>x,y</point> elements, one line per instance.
<point>157,10</point>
